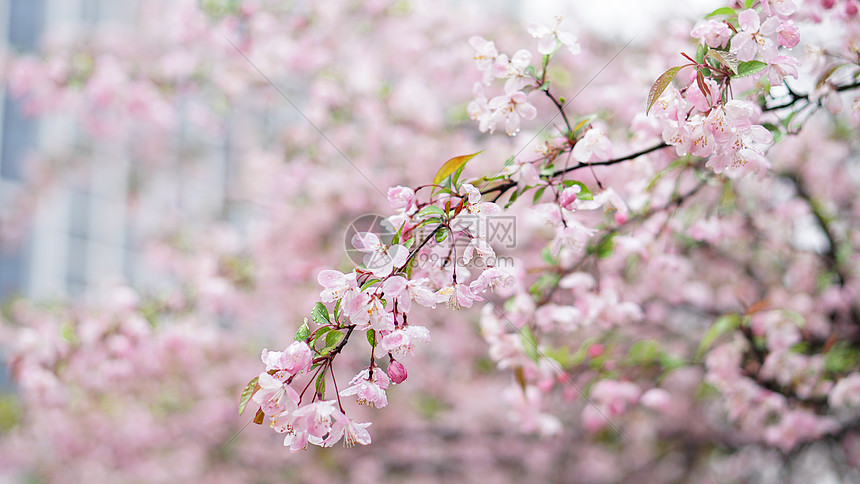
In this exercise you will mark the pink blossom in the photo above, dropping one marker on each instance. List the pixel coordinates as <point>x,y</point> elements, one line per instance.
<point>381,259</point>
<point>782,66</point>
<point>595,145</point>
<point>493,277</point>
<point>846,392</point>
<point>367,311</point>
<point>567,197</point>
<point>516,75</point>
<point>755,37</point>
<point>485,56</point>
<point>401,198</point>
<point>550,38</point>
<point>356,433</point>
<point>512,106</point>
<point>294,359</point>
<point>783,8</point>
<point>714,33</point>
<point>401,341</point>
<point>275,396</point>
<point>574,237</point>
<point>479,110</point>
<point>369,387</point>
<point>456,296</point>
<point>788,34</point>
<point>475,206</point>
<point>336,284</point>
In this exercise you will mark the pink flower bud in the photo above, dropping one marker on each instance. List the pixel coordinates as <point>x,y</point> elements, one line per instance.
<point>568,196</point>
<point>396,371</point>
<point>595,350</point>
<point>621,217</point>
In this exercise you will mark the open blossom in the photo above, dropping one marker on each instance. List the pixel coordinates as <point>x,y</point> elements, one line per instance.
<point>401,198</point>
<point>294,359</point>
<point>478,247</point>
<point>781,67</point>
<point>356,433</point>
<point>550,38</point>
<point>485,56</point>
<point>456,296</point>
<point>381,259</point>
<point>335,283</point>
<point>574,237</point>
<point>367,311</point>
<point>401,341</point>
<point>783,8</point>
<point>515,71</point>
<point>275,396</point>
<point>479,110</point>
<point>755,37</point>
<point>314,423</point>
<point>476,206</point>
<point>846,392</point>
<point>788,34</point>
<point>402,291</point>
<point>593,146</point>
<point>714,33</point>
<point>512,106</point>
<point>493,277</point>
<point>369,387</point>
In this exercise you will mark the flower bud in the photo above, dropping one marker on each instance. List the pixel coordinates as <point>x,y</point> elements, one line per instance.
<point>396,371</point>
<point>568,196</point>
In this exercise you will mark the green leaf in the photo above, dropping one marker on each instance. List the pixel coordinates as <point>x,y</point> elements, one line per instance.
<point>451,166</point>
<point>660,85</point>
<point>604,248</point>
<point>337,310</point>
<point>701,50</point>
<point>332,338</point>
<point>371,337</point>
<point>514,197</point>
<point>548,257</point>
<point>726,58</point>
<point>320,333</point>
<point>750,68</point>
<point>722,11</point>
<point>303,332</point>
<point>529,343</point>
<point>644,352</point>
<point>431,210</point>
<point>441,234</point>
<point>320,314</point>
<point>369,283</point>
<point>748,4</point>
<point>723,325</point>
<point>247,393</point>
<point>538,194</point>
<point>320,385</point>
<point>561,355</point>
<point>842,357</point>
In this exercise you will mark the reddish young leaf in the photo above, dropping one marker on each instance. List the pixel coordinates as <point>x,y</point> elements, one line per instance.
<point>660,85</point>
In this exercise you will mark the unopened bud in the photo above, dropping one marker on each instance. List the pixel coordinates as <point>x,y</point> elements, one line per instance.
<point>396,371</point>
